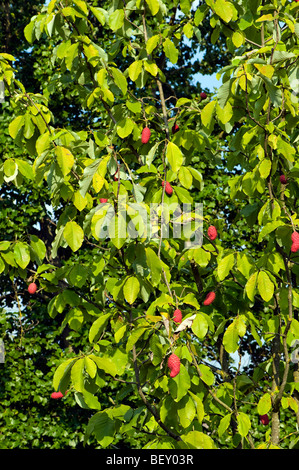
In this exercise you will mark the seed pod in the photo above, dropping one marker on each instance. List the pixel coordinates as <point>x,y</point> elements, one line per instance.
<point>209,298</point>
<point>145,136</point>
<point>212,232</point>
<point>174,364</point>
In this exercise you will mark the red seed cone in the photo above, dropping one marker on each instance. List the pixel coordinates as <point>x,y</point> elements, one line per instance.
<point>102,200</point>
<point>175,128</point>
<point>145,135</point>
<point>168,188</point>
<point>56,395</point>
<point>32,288</point>
<point>295,247</point>
<point>264,419</point>
<point>209,298</point>
<point>212,232</point>
<point>295,237</point>
<point>174,363</point>
<point>283,179</point>
<point>203,95</point>
<point>177,316</point>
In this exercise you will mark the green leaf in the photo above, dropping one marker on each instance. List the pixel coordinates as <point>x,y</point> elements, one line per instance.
<point>135,70</point>
<point>185,177</point>
<point>223,425</point>
<point>244,423</point>
<point>116,19</point>
<point>198,440</point>
<point>265,286</point>
<point>200,411</point>
<point>152,43</point>
<point>171,51</point>
<point>98,327</point>
<point>29,32</point>
<point>16,125</point>
<point>207,375</point>
<point>120,80</point>
<point>207,113</point>
<point>231,336</point>
<point>90,367</point>
<point>264,404</point>
<point>200,326</point>
<point>225,265</point>
<point>99,14</point>
<point>250,287</point>
<point>22,254</point>
<point>73,235</point>
<point>77,376</point>
<point>61,372</point>
<point>125,127</point>
<point>134,337</point>
<point>174,156</point>
<point>237,38</point>
<point>131,289</point>
<point>153,6</point>
<point>65,159</point>
<point>154,264</point>
<point>224,9</point>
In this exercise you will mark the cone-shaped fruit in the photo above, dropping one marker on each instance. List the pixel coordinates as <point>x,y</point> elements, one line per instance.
<point>177,316</point>
<point>168,188</point>
<point>283,179</point>
<point>203,95</point>
<point>175,128</point>
<point>56,395</point>
<point>295,240</point>
<point>209,298</point>
<point>264,419</point>
<point>145,136</point>
<point>174,364</point>
<point>102,200</point>
<point>212,232</point>
<point>32,288</point>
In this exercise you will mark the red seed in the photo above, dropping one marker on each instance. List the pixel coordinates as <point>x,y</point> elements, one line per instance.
<point>177,316</point>
<point>283,179</point>
<point>209,298</point>
<point>212,232</point>
<point>145,136</point>
<point>264,419</point>
<point>32,288</point>
<point>175,128</point>
<point>174,363</point>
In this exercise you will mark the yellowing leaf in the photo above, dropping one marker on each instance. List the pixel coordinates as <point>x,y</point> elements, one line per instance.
<point>266,69</point>
<point>65,159</point>
<point>207,113</point>
<point>73,235</point>
<point>174,156</point>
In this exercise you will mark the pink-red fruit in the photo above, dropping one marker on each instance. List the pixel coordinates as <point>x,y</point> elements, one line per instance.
<point>56,395</point>
<point>283,179</point>
<point>209,298</point>
<point>168,188</point>
<point>212,232</point>
<point>145,136</point>
<point>203,95</point>
<point>264,419</point>
<point>295,240</point>
<point>102,200</point>
<point>175,128</point>
<point>32,288</point>
<point>174,364</point>
<point>177,316</point>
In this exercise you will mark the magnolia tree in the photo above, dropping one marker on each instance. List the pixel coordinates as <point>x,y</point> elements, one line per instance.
<point>169,303</point>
